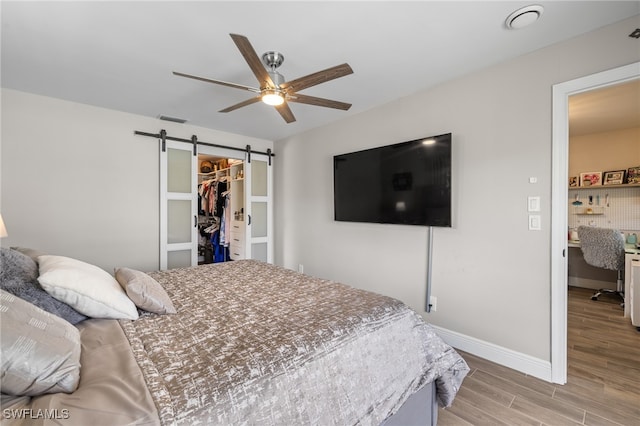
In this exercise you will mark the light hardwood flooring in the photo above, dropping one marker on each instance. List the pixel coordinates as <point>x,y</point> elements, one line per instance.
<point>603,384</point>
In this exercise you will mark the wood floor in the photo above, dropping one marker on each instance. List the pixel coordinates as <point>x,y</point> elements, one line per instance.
<point>603,384</point>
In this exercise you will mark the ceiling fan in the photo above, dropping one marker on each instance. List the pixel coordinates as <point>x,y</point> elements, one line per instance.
<point>274,90</point>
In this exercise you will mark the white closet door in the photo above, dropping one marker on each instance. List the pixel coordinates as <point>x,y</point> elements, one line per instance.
<point>259,207</point>
<point>178,206</point>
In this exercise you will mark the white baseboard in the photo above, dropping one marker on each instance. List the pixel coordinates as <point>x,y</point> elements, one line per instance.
<point>526,364</point>
<point>589,283</point>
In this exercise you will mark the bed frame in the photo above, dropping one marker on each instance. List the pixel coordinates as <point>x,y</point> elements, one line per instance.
<point>420,409</point>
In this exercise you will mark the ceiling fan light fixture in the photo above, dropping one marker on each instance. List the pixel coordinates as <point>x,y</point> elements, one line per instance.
<point>273,89</point>
<point>272,97</point>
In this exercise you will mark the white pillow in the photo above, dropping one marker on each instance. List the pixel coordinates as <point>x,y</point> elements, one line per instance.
<point>87,288</point>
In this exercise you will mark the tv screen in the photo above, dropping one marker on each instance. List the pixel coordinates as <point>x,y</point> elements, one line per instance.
<point>407,183</point>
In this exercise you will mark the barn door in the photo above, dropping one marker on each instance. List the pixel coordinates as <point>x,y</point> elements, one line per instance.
<point>178,205</point>
<point>259,207</point>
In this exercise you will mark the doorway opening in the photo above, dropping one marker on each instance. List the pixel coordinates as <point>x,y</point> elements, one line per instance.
<point>221,214</point>
<point>559,202</point>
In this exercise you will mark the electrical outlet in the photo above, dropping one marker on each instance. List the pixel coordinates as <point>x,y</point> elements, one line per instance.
<point>433,301</point>
<point>301,268</point>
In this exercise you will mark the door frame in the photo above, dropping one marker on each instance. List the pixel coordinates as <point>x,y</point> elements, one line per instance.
<point>559,202</point>
<point>216,151</point>
<point>248,196</point>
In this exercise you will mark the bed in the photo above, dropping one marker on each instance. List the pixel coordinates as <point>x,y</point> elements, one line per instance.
<point>236,343</point>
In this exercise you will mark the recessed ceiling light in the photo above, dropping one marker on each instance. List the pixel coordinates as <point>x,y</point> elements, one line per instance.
<point>524,16</point>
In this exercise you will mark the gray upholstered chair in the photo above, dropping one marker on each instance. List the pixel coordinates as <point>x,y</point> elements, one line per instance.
<point>604,248</point>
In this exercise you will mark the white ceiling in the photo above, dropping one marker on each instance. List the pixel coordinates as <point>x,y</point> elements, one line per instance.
<point>120,55</point>
<point>604,110</point>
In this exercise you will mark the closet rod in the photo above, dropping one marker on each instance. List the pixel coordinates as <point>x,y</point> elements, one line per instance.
<point>173,138</point>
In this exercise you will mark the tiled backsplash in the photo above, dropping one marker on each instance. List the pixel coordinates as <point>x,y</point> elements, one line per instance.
<point>614,207</point>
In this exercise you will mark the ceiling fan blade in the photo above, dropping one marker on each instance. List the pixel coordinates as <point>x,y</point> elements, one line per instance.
<point>223,83</point>
<point>317,78</point>
<point>285,112</point>
<point>312,100</point>
<point>242,104</point>
<point>250,55</point>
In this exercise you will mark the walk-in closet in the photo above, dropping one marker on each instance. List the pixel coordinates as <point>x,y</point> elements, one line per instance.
<point>221,211</point>
<point>215,202</point>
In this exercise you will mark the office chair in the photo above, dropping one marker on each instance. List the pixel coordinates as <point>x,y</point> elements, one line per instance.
<point>604,248</point>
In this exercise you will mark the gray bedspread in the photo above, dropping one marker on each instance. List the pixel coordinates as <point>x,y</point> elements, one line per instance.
<point>257,344</point>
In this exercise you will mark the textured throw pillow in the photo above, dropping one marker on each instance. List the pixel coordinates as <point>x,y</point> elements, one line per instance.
<point>16,265</point>
<point>40,351</point>
<point>144,291</point>
<point>19,276</point>
<point>87,288</point>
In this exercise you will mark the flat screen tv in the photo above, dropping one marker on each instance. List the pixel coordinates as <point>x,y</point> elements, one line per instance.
<point>406,183</point>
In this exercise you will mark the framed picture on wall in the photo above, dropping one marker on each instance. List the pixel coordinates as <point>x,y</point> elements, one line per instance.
<point>590,178</point>
<point>633,175</point>
<point>614,177</point>
<point>574,181</point>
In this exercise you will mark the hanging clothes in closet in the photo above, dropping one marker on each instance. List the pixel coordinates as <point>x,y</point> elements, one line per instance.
<point>225,221</point>
<point>212,194</point>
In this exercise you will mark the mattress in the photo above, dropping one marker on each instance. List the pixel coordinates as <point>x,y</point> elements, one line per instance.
<point>254,344</point>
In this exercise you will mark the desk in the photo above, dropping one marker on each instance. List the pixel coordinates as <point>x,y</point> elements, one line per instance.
<point>628,248</point>
<point>632,252</point>
<point>629,302</point>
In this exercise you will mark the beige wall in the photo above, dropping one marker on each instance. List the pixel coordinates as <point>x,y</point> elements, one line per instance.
<point>491,275</point>
<point>600,152</point>
<point>76,181</point>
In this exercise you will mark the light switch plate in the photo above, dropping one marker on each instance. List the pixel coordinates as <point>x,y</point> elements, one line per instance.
<point>533,204</point>
<point>535,222</point>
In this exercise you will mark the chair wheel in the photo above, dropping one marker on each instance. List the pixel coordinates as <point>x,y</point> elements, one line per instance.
<point>594,297</point>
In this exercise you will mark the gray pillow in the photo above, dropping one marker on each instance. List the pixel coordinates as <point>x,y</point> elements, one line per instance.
<point>40,351</point>
<point>144,291</point>
<point>19,276</point>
